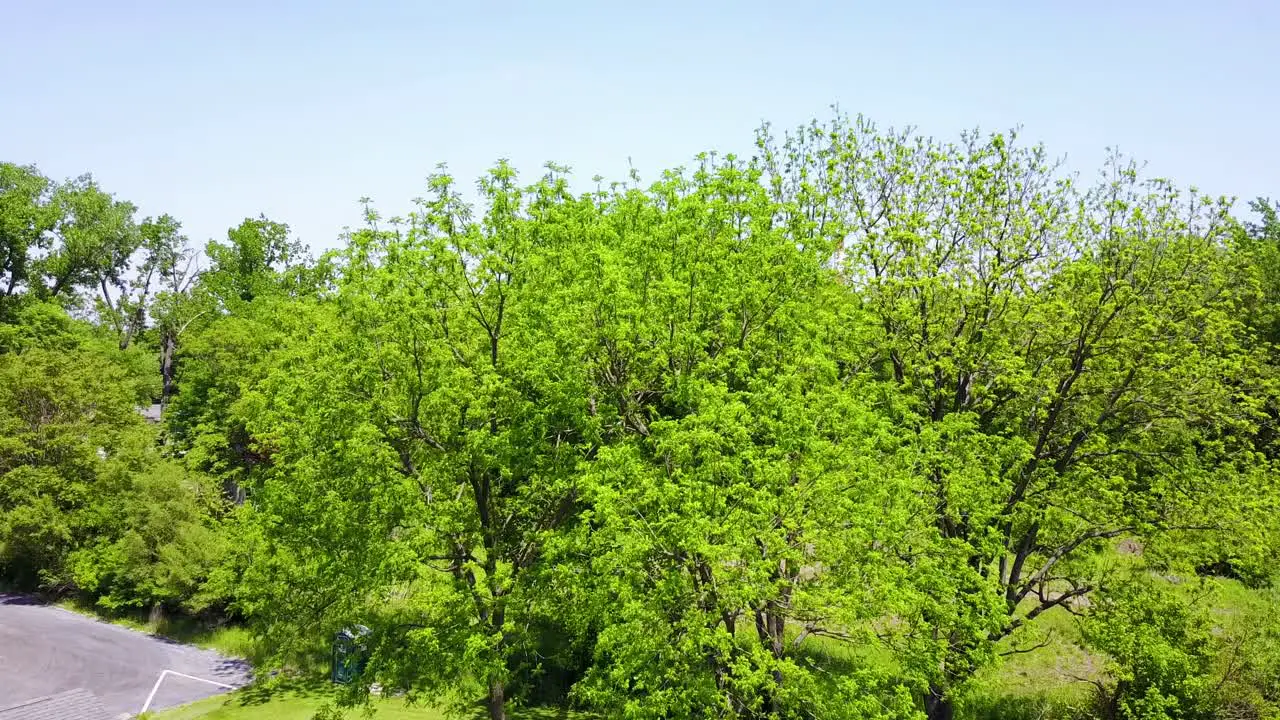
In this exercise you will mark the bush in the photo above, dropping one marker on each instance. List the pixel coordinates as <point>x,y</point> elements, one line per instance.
<point>1161,649</point>
<point>165,545</point>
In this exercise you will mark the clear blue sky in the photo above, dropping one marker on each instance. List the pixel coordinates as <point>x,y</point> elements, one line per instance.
<point>216,111</point>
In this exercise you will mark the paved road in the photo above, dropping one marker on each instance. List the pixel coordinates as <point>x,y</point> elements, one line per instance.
<point>45,650</point>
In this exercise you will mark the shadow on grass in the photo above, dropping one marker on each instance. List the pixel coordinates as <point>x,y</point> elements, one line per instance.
<point>318,688</point>
<point>530,713</point>
<point>263,692</point>
<point>547,713</point>
<point>1040,707</point>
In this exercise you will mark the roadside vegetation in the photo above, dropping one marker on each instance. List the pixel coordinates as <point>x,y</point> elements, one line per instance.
<point>860,425</point>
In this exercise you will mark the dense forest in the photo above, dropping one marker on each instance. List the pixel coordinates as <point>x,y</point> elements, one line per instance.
<point>842,428</point>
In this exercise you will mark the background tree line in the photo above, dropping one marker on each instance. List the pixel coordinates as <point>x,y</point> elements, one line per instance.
<point>831,430</point>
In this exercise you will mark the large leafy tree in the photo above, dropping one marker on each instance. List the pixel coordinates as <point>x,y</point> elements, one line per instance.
<point>251,262</point>
<point>741,506</point>
<point>58,239</point>
<point>435,438</point>
<point>216,333</point>
<point>163,263</point>
<point>63,399</point>
<point>25,221</point>
<point>1259,244</point>
<point>1258,248</point>
<point>86,503</point>
<point>95,237</point>
<point>1068,364</point>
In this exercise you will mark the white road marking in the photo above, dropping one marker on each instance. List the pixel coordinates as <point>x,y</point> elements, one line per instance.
<point>155,688</point>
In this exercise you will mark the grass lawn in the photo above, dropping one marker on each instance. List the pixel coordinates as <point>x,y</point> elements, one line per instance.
<point>300,700</point>
<point>285,706</point>
<point>1056,680</point>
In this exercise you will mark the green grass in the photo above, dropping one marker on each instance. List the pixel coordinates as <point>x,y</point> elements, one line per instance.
<point>1062,668</point>
<point>288,705</point>
<point>1055,681</point>
<point>1235,603</point>
<point>300,700</point>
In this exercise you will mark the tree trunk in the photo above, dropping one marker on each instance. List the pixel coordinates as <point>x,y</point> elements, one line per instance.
<point>937,706</point>
<point>770,627</point>
<point>168,349</point>
<point>496,702</point>
<point>133,327</point>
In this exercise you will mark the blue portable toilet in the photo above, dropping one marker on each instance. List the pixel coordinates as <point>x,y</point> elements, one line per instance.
<point>350,653</point>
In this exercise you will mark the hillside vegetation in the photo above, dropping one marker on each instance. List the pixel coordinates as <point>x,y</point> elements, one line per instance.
<point>862,425</point>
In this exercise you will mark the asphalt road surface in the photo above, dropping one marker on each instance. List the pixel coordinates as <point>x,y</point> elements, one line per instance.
<point>46,650</point>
